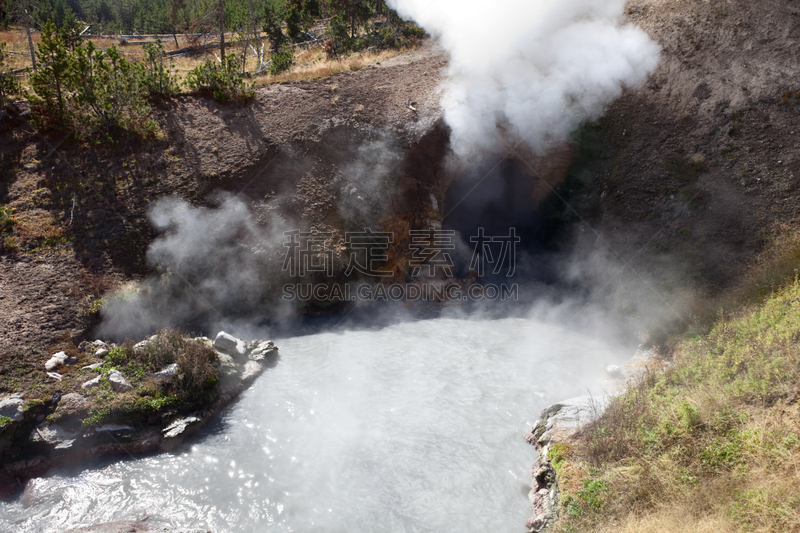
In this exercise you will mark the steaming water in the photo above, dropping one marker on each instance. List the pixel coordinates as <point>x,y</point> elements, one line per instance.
<point>414,427</point>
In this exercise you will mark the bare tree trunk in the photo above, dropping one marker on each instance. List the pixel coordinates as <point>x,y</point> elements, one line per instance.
<point>30,39</point>
<point>255,37</point>
<point>221,9</point>
<point>175,36</point>
<point>379,7</point>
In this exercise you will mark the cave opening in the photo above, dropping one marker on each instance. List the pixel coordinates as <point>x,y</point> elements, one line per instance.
<point>503,197</point>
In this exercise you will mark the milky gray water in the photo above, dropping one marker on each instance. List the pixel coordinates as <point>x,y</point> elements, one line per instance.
<point>414,427</point>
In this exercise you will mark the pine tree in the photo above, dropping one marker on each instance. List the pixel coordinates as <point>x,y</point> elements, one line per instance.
<point>272,27</point>
<point>293,23</point>
<point>51,77</point>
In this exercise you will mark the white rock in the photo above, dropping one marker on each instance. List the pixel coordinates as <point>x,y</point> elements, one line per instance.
<point>139,345</point>
<point>92,383</point>
<point>251,368</point>
<point>167,371</point>
<point>54,375</point>
<point>262,350</point>
<point>118,381</point>
<point>101,352</point>
<point>53,434</point>
<point>99,343</point>
<point>564,419</point>
<point>92,367</point>
<point>57,360</point>
<point>12,408</point>
<point>614,370</point>
<point>229,344</point>
<point>179,426</point>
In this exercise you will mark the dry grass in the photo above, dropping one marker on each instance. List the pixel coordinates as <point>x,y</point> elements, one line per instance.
<point>710,444</point>
<point>37,229</point>
<point>309,62</point>
<point>317,66</point>
<point>673,518</point>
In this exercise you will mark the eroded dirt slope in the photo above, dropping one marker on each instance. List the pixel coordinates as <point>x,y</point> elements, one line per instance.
<point>689,176</point>
<point>80,225</point>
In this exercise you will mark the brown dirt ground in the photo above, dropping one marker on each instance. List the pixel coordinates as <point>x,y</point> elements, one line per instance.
<point>290,142</point>
<point>697,171</point>
<point>691,177</point>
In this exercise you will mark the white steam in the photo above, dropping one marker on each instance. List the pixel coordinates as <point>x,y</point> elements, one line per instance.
<point>530,70</point>
<point>213,265</point>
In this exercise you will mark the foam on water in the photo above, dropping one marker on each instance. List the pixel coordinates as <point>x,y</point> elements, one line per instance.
<point>413,427</point>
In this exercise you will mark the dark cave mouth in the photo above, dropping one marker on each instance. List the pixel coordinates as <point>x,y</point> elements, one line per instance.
<point>504,200</point>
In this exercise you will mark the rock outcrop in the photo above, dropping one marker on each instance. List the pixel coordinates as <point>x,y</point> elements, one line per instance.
<point>12,408</point>
<point>561,423</point>
<point>38,435</point>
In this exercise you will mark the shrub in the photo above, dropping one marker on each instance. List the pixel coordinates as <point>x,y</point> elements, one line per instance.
<point>196,377</point>
<point>107,90</point>
<point>394,34</point>
<point>86,91</point>
<point>158,76</point>
<point>50,80</point>
<point>311,10</point>
<point>222,79</point>
<point>7,222</point>
<point>272,27</point>
<point>197,371</point>
<point>293,23</point>
<point>281,61</point>
<point>340,40</point>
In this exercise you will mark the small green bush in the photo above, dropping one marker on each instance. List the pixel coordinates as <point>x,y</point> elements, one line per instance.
<point>50,81</point>
<point>7,222</point>
<point>293,23</point>
<point>272,27</point>
<point>222,79</point>
<point>281,61</point>
<point>87,91</point>
<point>158,75</point>
<point>96,417</point>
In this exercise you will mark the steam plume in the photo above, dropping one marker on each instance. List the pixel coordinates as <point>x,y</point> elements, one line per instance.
<point>531,70</point>
<point>213,265</point>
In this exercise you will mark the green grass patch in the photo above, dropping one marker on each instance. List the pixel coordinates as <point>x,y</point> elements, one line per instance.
<point>194,384</point>
<point>711,439</point>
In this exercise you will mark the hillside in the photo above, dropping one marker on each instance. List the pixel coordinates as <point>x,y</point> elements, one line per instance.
<point>680,201</point>
<point>681,176</point>
<point>695,173</point>
<point>283,151</point>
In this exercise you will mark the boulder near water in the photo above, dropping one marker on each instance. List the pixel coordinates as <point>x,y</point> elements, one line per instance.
<point>227,343</point>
